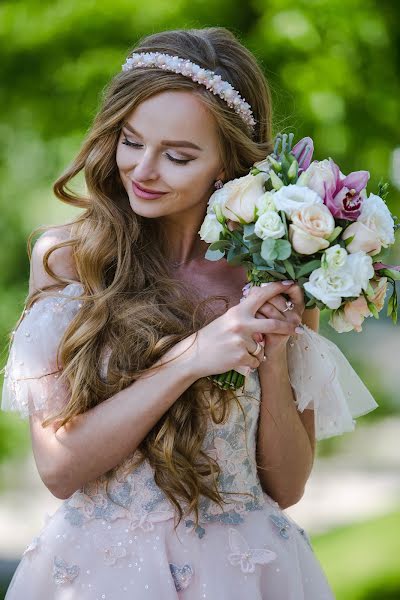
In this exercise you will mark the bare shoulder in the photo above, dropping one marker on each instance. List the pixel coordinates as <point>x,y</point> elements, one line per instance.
<point>61,261</point>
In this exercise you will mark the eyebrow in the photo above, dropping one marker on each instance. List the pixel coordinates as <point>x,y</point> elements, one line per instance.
<point>176,143</point>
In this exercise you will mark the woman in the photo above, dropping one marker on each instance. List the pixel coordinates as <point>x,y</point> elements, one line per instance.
<point>172,487</point>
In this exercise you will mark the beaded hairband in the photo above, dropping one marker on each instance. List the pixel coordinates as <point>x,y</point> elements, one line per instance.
<point>208,78</point>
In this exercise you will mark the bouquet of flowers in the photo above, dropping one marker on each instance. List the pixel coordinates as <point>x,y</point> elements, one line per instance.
<point>294,218</point>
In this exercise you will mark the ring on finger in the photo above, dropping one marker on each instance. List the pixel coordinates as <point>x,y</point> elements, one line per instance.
<point>257,350</point>
<point>289,305</point>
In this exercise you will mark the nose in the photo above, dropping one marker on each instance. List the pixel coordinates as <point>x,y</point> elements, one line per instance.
<point>145,168</point>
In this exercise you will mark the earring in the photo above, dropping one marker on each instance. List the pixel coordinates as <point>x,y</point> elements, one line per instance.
<point>218,184</point>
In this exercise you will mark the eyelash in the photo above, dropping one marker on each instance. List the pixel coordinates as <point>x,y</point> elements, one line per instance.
<point>175,160</point>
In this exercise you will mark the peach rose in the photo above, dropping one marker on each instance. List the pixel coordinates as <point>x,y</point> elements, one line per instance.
<point>380,289</point>
<point>242,194</point>
<point>351,316</point>
<point>365,239</point>
<point>311,225</point>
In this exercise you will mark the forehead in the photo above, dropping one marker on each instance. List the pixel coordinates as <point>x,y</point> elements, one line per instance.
<point>174,115</point>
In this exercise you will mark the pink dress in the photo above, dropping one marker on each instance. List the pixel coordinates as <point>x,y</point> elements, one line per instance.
<point>122,544</point>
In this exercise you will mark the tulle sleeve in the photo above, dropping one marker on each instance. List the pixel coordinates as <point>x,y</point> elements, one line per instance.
<point>31,375</point>
<point>323,379</point>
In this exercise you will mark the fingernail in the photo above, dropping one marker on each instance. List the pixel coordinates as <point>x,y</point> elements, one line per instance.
<point>267,283</point>
<point>299,329</point>
<point>287,282</point>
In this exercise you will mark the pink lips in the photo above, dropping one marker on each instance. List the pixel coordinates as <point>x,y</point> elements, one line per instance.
<point>148,195</point>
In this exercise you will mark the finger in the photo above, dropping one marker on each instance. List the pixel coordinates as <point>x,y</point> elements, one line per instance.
<point>268,326</point>
<point>280,304</point>
<point>258,295</point>
<point>296,295</point>
<point>269,311</point>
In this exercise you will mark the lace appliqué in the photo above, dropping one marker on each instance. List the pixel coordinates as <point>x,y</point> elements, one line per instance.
<point>182,576</point>
<point>62,572</point>
<point>32,546</point>
<point>241,553</point>
<point>200,531</point>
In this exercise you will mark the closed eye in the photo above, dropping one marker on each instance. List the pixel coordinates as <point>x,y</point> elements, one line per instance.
<point>176,160</point>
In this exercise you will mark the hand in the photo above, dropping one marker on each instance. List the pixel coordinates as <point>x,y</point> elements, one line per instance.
<point>227,341</point>
<point>276,308</point>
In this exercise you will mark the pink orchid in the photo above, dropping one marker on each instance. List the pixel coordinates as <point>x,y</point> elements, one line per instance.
<point>343,195</point>
<point>378,266</point>
<point>303,152</point>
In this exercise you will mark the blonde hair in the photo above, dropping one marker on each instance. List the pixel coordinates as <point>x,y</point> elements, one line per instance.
<point>131,303</point>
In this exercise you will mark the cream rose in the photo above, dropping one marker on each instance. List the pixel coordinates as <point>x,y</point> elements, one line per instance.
<point>311,225</point>
<point>365,239</point>
<point>269,225</point>
<point>241,197</point>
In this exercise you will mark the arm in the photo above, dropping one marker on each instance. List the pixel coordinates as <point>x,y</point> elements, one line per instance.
<point>99,439</point>
<point>286,438</point>
<point>93,442</point>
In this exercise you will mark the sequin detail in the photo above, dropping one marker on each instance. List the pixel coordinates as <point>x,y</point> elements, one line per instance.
<point>282,524</point>
<point>182,576</point>
<point>241,553</point>
<point>62,573</point>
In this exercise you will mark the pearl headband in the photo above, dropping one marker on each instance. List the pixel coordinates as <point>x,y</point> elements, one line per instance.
<point>208,78</point>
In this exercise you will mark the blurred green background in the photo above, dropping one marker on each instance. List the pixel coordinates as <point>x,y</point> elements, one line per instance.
<point>333,67</point>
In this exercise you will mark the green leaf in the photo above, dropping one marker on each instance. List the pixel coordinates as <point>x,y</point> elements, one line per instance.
<point>220,245</point>
<point>268,251</point>
<point>349,240</point>
<point>283,248</point>
<point>213,254</point>
<point>334,234</point>
<point>289,269</point>
<point>392,306</point>
<point>282,214</point>
<point>248,229</point>
<point>391,273</point>
<point>307,268</point>
<point>373,309</point>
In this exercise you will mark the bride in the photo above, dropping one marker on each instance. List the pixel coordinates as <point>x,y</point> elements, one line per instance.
<point>171,487</point>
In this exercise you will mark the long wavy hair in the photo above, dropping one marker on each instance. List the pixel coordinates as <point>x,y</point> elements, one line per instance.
<point>131,303</point>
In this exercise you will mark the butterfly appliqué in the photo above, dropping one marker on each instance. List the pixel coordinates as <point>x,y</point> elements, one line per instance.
<point>245,556</point>
<point>282,524</point>
<point>227,456</point>
<point>62,572</point>
<point>199,530</point>
<point>182,576</point>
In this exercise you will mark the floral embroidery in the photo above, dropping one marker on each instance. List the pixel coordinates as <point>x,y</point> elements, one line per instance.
<point>245,556</point>
<point>199,530</point>
<point>182,576</point>
<point>32,546</point>
<point>113,553</point>
<point>227,456</point>
<point>62,573</point>
<point>282,524</point>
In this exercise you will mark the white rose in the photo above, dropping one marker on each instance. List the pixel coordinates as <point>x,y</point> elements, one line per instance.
<point>269,225</point>
<point>210,228</point>
<point>264,203</point>
<point>331,285</point>
<point>241,196</point>
<point>291,197</point>
<point>376,216</point>
<point>334,257</point>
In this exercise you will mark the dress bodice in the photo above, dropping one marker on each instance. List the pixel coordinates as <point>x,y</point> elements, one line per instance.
<point>320,375</point>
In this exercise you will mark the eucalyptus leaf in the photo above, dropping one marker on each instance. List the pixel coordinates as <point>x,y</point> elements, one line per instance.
<point>220,245</point>
<point>268,251</point>
<point>213,254</point>
<point>248,229</point>
<point>283,248</point>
